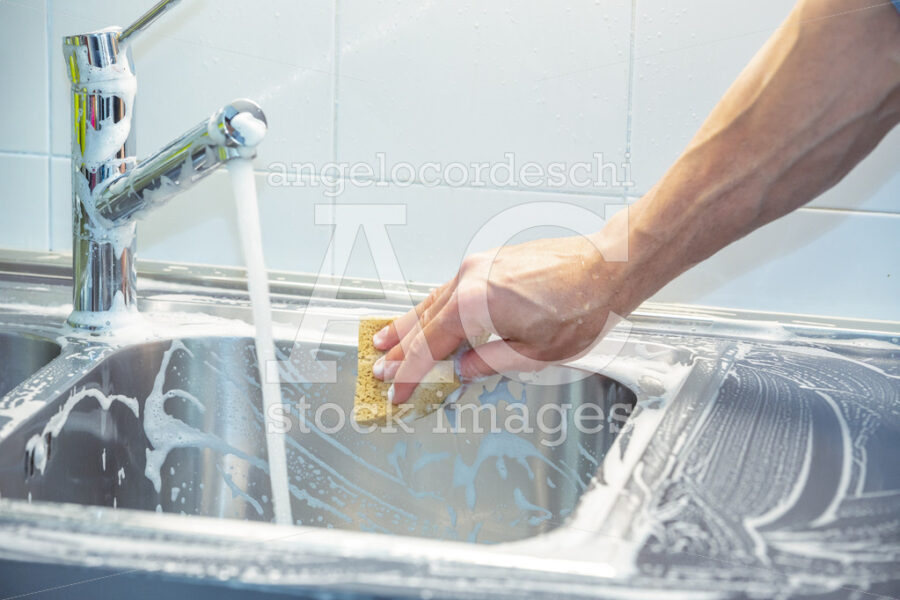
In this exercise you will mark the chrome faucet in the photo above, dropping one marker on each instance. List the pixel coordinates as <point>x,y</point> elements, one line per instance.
<point>110,187</point>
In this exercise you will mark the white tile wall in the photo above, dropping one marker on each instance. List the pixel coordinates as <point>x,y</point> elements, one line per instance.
<point>24,222</point>
<point>449,81</point>
<point>812,262</point>
<point>686,55</point>
<point>420,80</point>
<point>23,71</point>
<point>874,185</point>
<point>200,225</point>
<point>60,206</point>
<point>442,223</point>
<point>191,63</point>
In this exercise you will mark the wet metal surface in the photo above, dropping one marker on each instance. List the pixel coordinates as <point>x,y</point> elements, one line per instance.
<point>756,458</point>
<point>196,446</point>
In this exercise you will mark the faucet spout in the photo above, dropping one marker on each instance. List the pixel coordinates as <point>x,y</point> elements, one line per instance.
<point>110,188</point>
<point>232,132</point>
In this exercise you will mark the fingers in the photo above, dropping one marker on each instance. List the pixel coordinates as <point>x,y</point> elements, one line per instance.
<point>499,356</point>
<point>391,335</point>
<point>440,337</point>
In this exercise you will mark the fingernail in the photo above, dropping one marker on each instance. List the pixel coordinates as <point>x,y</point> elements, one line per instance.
<point>378,368</point>
<point>378,338</point>
<point>390,394</point>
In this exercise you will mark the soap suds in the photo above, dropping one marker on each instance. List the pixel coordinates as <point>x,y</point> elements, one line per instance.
<point>36,446</point>
<point>166,433</point>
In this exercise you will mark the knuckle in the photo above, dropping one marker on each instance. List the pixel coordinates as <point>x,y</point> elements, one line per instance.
<point>418,347</point>
<point>444,327</point>
<point>469,263</point>
<point>432,297</point>
<point>469,300</point>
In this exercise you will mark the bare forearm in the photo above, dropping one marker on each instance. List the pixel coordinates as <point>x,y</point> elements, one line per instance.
<point>816,99</point>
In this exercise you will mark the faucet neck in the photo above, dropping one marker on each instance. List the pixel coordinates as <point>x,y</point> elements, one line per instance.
<point>103,95</point>
<point>110,189</point>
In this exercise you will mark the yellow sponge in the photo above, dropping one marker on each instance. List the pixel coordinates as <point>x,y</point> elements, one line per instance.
<point>371,404</point>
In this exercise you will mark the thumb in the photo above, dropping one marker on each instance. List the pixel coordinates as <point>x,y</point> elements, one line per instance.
<point>499,356</point>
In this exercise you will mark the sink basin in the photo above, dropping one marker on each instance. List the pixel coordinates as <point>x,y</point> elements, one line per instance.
<point>20,356</point>
<point>177,426</point>
<point>754,457</point>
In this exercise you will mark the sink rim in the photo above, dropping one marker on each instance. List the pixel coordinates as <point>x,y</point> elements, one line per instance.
<point>62,527</point>
<point>229,346</point>
<point>117,522</point>
<point>603,569</point>
<point>290,289</point>
<point>128,528</point>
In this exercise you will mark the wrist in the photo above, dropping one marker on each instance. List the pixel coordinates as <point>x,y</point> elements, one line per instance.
<point>617,271</point>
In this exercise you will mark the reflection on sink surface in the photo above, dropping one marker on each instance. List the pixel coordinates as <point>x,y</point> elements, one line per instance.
<point>177,426</point>
<point>765,468</point>
<point>20,356</point>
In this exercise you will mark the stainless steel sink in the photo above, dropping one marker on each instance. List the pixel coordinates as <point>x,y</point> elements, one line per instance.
<point>742,454</point>
<point>21,355</point>
<point>197,446</point>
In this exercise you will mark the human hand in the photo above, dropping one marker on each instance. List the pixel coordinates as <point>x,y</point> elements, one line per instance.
<point>547,300</point>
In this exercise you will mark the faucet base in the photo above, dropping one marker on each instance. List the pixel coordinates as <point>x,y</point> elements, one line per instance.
<point>104,273</point>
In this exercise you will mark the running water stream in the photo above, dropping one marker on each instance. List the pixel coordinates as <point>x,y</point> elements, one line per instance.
<point>241,171</point>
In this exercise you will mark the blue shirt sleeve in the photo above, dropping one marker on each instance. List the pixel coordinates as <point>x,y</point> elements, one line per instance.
<point>896,4</point>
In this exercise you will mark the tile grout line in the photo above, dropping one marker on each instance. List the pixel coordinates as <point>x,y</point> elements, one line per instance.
<point>629,93</point>
<point>48,28</point>
<point>336,57</point>
<point>849,211</point>
<point>30,154</point>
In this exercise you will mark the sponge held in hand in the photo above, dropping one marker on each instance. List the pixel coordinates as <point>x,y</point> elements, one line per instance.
<point>371,406</point>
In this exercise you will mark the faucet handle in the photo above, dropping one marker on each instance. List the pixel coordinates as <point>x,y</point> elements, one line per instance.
<point>144,20</point>
<point>232,132</point>
<point>104,48</point>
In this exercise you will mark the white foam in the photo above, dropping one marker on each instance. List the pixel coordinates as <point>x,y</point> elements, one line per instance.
<point>166,433</point>
<point>37,444</point>
<point>119,317</point>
